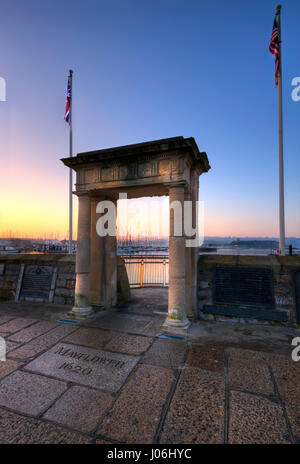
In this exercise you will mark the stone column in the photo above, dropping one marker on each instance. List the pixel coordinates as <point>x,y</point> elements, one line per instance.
<point>82,288</point>
<point>110,248</point>
<point>97,266</point>
<point>194,250</point>
<point>176,304</point>
<point>188,270</point>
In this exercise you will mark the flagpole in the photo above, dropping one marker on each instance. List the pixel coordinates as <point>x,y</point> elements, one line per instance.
<point>71,171</point>
<point>280,144</point>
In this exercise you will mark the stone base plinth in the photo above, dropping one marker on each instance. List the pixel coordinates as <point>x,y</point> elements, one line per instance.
<point>177,327</point>
<point>81,312</point>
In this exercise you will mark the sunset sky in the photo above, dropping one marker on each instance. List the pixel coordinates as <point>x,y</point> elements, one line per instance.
<point>146,70</point>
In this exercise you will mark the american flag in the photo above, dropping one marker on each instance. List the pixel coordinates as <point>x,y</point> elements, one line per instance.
<point>274,48</point>
<point>68,102</point>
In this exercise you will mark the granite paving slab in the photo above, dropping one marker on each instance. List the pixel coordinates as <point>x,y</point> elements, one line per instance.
<point>130,344</point>
<point>10,346</point>
<point>8,366</point>
<point>80,408</point>
<point>167,353</point>
<point>94,338</point>
<point>254,419</point>
<point>287,377</point>
<point>136,413</point>
<point>27,351</point>
<point>31,349</point>
<point>206,357</point>
<point>87,366</point>
<point>154,327</point>
<point>123,322</point>
<point>103,442</point>
<point>17,324</point>
<point>196,413</point>
<point>4,318</point>
<point>29,393</point>
<point>16,429</point>
<point>248,370</point>
<point>33,331</point>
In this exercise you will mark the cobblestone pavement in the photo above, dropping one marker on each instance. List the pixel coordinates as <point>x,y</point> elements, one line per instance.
<point>112,379</point>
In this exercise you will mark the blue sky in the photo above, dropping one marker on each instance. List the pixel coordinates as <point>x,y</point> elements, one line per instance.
<point>143,71</point>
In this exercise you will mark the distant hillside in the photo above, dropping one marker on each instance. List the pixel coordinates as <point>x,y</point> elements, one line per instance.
<point>271,244</point>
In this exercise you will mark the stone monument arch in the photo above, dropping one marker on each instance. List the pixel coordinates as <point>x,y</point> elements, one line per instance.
<point>162,167</point>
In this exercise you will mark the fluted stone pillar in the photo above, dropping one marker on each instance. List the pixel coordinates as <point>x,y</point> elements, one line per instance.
<point>177,292</point>
<point>82,287</point>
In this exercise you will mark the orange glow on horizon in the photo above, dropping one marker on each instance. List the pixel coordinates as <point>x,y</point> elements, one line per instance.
<point>36,206</point>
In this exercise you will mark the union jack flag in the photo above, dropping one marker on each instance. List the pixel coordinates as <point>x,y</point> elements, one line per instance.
<point>68,102</point>
<point>274,48</point>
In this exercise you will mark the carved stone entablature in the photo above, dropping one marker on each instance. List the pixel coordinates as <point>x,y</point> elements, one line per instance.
<point>145,164</point>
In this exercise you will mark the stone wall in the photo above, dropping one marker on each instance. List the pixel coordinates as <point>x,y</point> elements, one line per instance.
<point>64,276</point>
<point>284,269</point>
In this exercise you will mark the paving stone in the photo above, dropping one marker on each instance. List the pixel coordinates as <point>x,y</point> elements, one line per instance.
<point>86,366</point>
<point>16,324</point>
<point>29,393</point>
<point>136,413</point>
<point>123,322</point>
<point>130,344</point>
<point>4,318</point>
<point>167,353</point>
<point>89,337</point>
<point>80,408</point>
<point>27,351</point>
<point>287,377</point>
<point>33,331</point>
<point>8,366</point>
<point>16,429</point>
<point>206,357</point>
<point>10,346</point>
<point>56,334</point>
<point>248,370</point>
<point>31,349</point>
<point>103,442</point>
<point>254,419</point>
<point>196,413</point>
<point>293,414</point>
<point>154,327</point>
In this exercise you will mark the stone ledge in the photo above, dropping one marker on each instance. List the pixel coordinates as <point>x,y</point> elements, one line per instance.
<point>253,313</point>
<point>206,262</point>
<point>22,258</point>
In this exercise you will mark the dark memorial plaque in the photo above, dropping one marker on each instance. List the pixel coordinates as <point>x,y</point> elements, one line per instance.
<point>243,287</point>
<point>36,282</point>
<point>297,285</point>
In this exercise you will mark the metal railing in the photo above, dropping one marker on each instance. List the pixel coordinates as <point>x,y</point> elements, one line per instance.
<point>147,271</point>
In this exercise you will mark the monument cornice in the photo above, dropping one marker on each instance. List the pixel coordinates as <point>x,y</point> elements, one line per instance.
<point>175,146</point>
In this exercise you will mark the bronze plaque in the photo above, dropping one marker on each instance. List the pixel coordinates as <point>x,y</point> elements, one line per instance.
<point>297,285</point>
<point>243,287</point>
<point>36,282</point>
